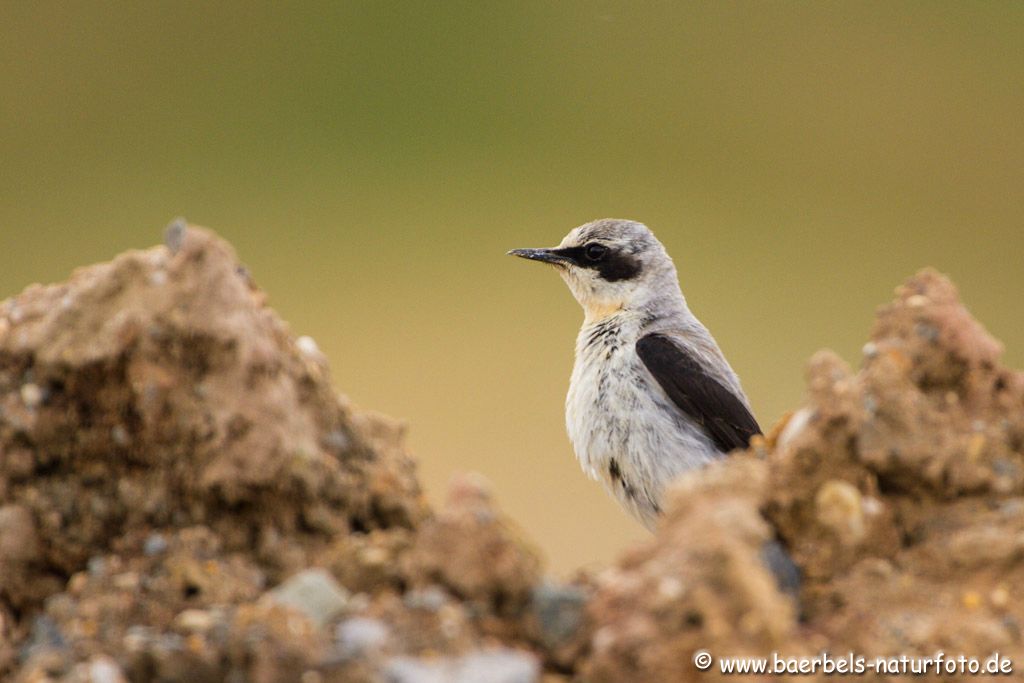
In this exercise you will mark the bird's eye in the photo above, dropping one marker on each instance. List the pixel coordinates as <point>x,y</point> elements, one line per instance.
<point>595,251</point>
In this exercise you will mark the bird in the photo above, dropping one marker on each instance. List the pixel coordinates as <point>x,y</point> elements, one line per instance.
<point>651,394</point>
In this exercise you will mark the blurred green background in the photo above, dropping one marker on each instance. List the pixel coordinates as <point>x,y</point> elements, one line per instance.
<point>373,161</point>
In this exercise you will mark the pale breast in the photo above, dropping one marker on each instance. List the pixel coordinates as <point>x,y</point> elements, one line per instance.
<point>626,432</point>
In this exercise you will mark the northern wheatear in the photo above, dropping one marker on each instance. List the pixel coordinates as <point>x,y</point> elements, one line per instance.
<point>651,394</point>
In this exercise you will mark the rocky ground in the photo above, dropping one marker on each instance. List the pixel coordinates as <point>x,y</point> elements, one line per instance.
<point>185,497</point>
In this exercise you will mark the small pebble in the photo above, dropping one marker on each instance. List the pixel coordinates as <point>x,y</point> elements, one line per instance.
<point>77,583</point>
<point>174,234</point>
<point>794,426</point>
<point>374,556</point>
<point>337,440</point>
<point>877,567</point>
<point>96,565</point>
<point>927,332</point>
<point>670,588</point>
<point>1011,508</point>
<point>314,593</point>
<point>481,666</point>
<point>1000,597</point>
<point>31,395</point>
<point>307,345</point>
<point>1006,468</point>
<point>154,545</point>
<point>360,635</point>
<point>119,435</point>
<point>498,666</point>
<point>872,506</point>
<point>194,620</point>
<point>103,669</point>
<point>46,633</point>
<point>19,537</point>
<point>559,608</point>
<point>430,599</point>
<point>839,507</point>
<point>158,278</point>
<point>127,581</point>
<point>136,637</point>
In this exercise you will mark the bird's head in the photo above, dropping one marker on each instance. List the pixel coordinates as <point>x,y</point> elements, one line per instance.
<point>610,265</point>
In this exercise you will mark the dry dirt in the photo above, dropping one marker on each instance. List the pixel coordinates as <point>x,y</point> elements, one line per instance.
<point>185,497</point>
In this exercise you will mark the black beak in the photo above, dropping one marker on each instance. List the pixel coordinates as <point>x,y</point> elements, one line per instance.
<point>555,256</point>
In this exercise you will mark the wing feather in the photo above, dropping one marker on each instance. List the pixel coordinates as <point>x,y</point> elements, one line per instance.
<point>721,414</point>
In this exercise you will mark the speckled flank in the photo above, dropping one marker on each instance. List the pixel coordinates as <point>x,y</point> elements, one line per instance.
<point>625,430</point>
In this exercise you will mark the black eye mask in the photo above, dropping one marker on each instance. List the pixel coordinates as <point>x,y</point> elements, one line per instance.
<point>611,265</point>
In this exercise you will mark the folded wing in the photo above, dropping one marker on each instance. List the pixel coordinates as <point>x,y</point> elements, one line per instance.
<point>714,407</point>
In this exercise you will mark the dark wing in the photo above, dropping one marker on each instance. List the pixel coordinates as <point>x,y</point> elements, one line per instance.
<point>722,415</point>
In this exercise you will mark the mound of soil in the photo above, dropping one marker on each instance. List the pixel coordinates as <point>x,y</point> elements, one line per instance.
<point>171,458</point>
<point>898,491</point>
<point>184,497</point>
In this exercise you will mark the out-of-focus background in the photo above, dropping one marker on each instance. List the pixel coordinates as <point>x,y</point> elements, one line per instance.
<point>373,161</point>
